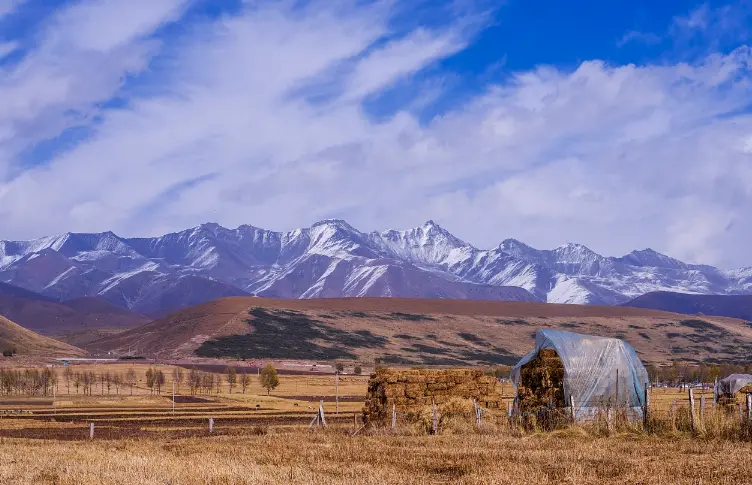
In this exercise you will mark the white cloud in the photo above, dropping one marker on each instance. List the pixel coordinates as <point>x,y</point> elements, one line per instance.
<point>8,6</point>
<point>257,118</point>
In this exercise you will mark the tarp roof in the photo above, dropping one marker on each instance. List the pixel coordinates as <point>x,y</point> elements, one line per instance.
<point>591,365</point>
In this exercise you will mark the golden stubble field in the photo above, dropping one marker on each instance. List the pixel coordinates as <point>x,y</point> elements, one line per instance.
<point>259,439</point>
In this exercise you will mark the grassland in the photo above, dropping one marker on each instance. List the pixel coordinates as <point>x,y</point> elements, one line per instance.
<point>336,458</point>
<point>259,439</point>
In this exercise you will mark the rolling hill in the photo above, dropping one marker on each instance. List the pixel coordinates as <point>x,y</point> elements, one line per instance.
<point>47,316</point>
<point>418,331</point>
<point>734,306</point>
<point>28,343</point>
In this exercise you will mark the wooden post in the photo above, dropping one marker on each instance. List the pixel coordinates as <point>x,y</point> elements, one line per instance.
<point>355,419</point>
<point>673,414</point>
<point>741,413</point>
<point>610,420</point>
<point>435,421</point>
<point>336,392</point>
<point>510,407</point>
<point>702,409</point>
<point>54,409</point>
<point>749,407</point>
<point>617,388</point>
<point>322,418</point>
<point>91,431</point>
<point>173,396</point>
<point>646,410</point>
<point>715,391</point>
<point>691,409</point>
<point>394,416</point>
<point>211,425</point>
<point>571,407</point>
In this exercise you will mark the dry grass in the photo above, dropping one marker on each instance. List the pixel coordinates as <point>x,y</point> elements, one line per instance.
<point>335,458</point>
<point>139,440</point>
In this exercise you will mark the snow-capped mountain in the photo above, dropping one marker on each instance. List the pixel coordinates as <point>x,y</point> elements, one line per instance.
<point>333,259</point>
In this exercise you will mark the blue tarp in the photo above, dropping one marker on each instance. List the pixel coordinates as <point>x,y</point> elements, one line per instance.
<point>590,371</point>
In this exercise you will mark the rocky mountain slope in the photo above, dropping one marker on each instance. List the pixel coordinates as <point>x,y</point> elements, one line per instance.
<point>332,259</point>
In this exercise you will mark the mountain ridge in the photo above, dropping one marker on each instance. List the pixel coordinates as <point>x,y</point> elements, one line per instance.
<point>333,259</point>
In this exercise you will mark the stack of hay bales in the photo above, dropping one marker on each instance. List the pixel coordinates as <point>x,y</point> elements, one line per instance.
<point>541,382</point>
<point>733,389</point>
<point>411,390</point>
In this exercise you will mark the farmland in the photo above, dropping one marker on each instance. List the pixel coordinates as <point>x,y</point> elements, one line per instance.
<point>139,438</point>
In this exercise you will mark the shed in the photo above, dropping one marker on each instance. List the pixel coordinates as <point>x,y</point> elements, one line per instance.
<point>567,367</point>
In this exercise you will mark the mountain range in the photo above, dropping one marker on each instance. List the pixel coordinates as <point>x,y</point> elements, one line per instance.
<point>331,259</point>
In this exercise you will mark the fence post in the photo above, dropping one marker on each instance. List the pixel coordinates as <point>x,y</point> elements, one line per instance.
<point>647,406</point>
<point>691,409</point>
<point>336,391</point>
<point>702,410</point>
<point>91,431</point>
<point>435,420</point>
<point>394,416</point>
<point>571,407</point>
<point>715,391</point>
<point>617,388</point>
<point>673,414</point>
<point>321,413</point>
<point>610,420</point>
<point>211,425</point>
<point>749,407</point>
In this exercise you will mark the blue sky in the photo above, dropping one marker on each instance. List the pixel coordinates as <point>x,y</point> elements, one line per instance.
<point>618,125</point>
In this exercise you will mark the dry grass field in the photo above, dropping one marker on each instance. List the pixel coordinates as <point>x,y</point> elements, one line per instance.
<point>336,458</point>
<point>260,439</point>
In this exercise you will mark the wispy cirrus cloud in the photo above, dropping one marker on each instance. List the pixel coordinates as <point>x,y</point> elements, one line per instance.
<point>259,115</point>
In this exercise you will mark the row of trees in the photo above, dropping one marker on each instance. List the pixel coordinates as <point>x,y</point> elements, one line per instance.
<point>676,372</point>
<point>207,383</point>
<point>28,382</point>
<point>87,381</point>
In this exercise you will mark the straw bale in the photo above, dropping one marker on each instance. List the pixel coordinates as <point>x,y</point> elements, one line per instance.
<point>412,389</point>
<point>541,382</point>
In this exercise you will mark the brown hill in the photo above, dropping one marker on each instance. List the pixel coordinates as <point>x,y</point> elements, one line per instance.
<point>28,343</point>
<point>418,331</point>
<point>41,314</point>
<point>734,306</point>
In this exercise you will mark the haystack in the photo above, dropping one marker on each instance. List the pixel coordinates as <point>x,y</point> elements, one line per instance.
<point>590,372</point>
<point>541,382</point>
<point>733,389</point>
<point>411,390</point>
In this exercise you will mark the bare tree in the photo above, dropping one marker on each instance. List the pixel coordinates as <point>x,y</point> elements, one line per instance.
<point>232,377</point>
<point>68,376</point>
<point>245,380</point>
<point>159,380</point>
<point>177,377</point>
<point>194,380</point>
<point>130,378</point>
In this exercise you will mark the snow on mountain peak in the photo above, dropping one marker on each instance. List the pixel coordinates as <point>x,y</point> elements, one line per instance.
<point>332,258</point>
<point>650,258</point>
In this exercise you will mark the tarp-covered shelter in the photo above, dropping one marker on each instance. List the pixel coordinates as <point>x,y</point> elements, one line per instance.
<point>732,384</point>
<point>590,368</point>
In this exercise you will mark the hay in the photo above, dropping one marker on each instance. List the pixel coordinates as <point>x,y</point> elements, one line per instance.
<point>739,398</point>
<point>541,382</point>
<point>412,390</point>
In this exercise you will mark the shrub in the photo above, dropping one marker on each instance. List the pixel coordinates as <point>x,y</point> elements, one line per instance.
<point>358,370</point>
